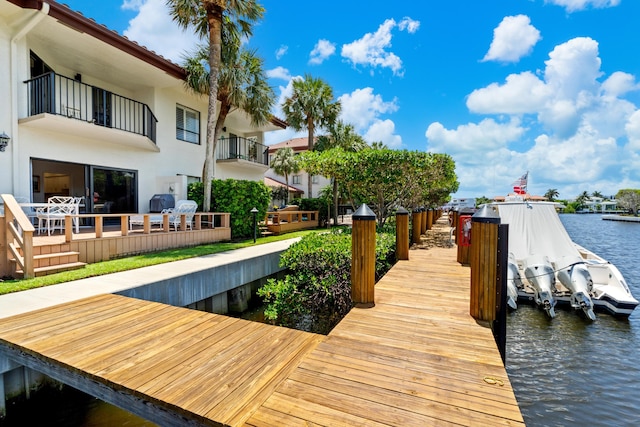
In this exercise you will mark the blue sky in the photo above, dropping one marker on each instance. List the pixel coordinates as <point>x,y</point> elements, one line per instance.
<point>503,86</point>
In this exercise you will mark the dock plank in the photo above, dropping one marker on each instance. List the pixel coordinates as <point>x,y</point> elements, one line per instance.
<point>416,358</point>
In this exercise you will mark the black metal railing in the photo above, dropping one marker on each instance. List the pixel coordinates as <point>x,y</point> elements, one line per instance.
<point>237,147</point>
<point>56,94</point>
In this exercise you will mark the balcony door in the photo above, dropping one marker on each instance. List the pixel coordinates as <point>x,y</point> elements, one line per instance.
<point>102,107</point>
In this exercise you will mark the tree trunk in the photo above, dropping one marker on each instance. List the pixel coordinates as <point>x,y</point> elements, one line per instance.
<point>335,201</point>
<point>214,18</point>
<point>310,148</point>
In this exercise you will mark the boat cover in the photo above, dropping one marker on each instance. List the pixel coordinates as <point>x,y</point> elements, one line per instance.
<point>535,229</point>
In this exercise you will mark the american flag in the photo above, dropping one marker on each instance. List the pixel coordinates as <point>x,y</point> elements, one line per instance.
<point>520,184</point>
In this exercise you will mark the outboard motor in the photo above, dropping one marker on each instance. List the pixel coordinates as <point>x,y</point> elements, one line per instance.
<point>574,275</point>
<point>514,282</point>
<point>540,274</point>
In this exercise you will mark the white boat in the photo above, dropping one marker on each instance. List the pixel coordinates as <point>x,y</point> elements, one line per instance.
<point>552,263</point>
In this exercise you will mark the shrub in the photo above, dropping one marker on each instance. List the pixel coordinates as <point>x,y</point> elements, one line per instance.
<point>237,197</point>
<point>316,293</point>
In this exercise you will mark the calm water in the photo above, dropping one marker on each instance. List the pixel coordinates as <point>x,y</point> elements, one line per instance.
<point>570,371</point>
<point>565,372</point>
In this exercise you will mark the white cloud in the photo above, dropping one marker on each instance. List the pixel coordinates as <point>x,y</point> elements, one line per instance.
<point>521,93</point>
<point>282,51</point>
<point>618,84</point>
<point>372,49</point>
<point>383,131</point>
<point>473,140</point>
<point>362,107</point>
<point>321,51</point>
<point>513,38</point>
<point>154,29</point>
<point>409,24</point>
<point>576,5</point>
<point>132,4</point>
<point>279,73</point>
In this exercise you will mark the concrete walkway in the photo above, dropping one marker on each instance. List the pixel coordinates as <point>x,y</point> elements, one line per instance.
<point>34,299</point>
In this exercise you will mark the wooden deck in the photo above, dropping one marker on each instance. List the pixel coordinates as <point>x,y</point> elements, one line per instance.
<point>417,358</point>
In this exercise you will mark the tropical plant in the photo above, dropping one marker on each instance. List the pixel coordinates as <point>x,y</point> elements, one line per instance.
<point>206,18</point>
<point>310,105</point>
<point>242,84</point>
<point>344,136</point>
<point>551,194</point>
<point>284,162</point>
<point>581,200</point>
<point>597,194</point>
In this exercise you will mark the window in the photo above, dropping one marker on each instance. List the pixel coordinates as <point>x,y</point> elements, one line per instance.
<point>296,179</point>
<point>315,179</point>
<point>187,124</point>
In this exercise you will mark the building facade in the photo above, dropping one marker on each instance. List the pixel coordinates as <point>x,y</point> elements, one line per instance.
<point>297,180</point>
<point>92,114</point>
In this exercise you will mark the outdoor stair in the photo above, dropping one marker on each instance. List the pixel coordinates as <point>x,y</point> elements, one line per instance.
<point>53,262</point>
<point>264,230</point>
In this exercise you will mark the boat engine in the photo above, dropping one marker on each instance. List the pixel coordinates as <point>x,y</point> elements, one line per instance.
<point>540,274</point>
<point>514,282</point>
<point>574,275</point>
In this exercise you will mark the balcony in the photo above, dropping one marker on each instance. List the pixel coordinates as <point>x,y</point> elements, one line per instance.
<point>241,149</point>
<point>59,103</point>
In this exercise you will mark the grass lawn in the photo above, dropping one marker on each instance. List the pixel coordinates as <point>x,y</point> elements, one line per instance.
<point>137,261</point>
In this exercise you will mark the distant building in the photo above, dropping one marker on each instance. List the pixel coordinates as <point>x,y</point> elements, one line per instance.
<point>299,180</point>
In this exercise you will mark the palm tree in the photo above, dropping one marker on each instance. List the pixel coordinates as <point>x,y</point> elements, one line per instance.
<point>344,136</point>
<point>283,163</point>
<point>551,194</point>
<point>597,194</point>
<point>206,18</point>
<point>582,199</point>
<point>242,83</point>
<point>310,105</point>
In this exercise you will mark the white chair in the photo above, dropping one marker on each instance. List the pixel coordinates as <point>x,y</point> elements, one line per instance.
<point>187,207</point>
<point>53,215</point>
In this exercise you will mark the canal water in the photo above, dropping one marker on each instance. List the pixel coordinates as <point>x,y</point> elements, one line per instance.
<point>565,372</point>
<point>570,371</point>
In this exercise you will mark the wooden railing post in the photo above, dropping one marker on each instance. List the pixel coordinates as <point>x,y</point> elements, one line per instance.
<point>402,234</point>
<point>416,227</point>
<point>363,257</point>
<point>21,233</point>
<point>489,257</point>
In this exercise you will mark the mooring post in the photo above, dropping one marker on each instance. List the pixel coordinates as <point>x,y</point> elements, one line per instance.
<point>430,220</point>
<point>488,259</point>
<point>363,257</point>
<point>416,226</point>
<point>402,234</point>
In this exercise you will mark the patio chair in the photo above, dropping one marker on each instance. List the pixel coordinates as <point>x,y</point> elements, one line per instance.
<point>187,207</point>
<point>53,215</point>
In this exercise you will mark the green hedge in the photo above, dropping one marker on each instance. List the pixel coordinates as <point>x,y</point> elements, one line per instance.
<point>316,293</point>
<point>237,197</point>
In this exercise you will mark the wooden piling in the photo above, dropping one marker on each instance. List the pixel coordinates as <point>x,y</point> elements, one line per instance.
<point>488,260</point>
<point>363,254</point>
<point>416,227</point>
<point>430,220</point>
<point>402,234</point>
<point>423,221</point>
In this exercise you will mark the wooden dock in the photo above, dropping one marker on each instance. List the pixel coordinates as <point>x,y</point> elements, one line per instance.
<point>417,358</point>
